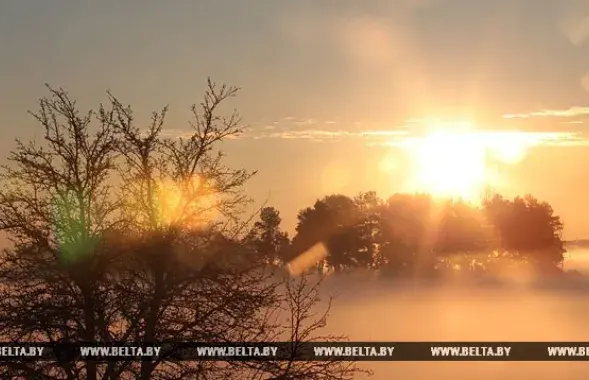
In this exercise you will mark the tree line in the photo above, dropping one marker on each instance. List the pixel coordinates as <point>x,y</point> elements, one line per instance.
<point>419,235</point>
<point>121,233</point>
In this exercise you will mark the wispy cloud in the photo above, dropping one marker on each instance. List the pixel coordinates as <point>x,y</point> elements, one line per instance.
<point>176,133</point>
<point>570,112</point>
<point>528,139</point>
<point>315,130</point>
<point>399,136</point>
<point>321,130</point>
<point>305,122</point>
<point>173,133</point>
<point>381,133</point>
<point>321,134</point>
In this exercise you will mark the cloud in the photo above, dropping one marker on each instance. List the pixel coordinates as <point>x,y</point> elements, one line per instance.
<point>323,130</point>
<point>176,133</point>
<point>173,133</point>
<point>312,134</point>
<point>399,136</point>
<point>326,135</point>
<point>520,138</point>
<point>373,134</point>
<point>570,112</point>
<point>306,122</point>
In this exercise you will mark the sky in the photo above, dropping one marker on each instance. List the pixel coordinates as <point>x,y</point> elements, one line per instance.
<point>334,92</point>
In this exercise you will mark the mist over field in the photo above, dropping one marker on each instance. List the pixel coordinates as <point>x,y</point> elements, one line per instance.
<point>368,308</point>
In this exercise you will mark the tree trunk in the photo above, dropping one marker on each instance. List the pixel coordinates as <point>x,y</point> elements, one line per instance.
<point>147,367</point>
<point>90,330</point>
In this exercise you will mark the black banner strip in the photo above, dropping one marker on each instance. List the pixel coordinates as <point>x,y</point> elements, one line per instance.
<point>315,351</point>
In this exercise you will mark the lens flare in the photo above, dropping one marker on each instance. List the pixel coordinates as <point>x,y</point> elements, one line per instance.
<point>307,259</point>
<point>188,203</point>
<point>71,228</point>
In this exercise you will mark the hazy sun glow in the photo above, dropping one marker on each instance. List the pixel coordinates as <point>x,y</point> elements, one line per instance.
<point>188,203</point>
<point>456,160</point>
<point>449,164</point>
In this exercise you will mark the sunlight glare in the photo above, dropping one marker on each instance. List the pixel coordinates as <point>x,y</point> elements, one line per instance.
<point>307,259</point>
<point>509,149</point>
<point>449,164</point>
<point>187,203</point>
<point>455,160</point>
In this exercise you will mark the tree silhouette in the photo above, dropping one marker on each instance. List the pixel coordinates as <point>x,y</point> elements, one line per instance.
<point>55,205</point>
<point>299,320</point>
<point>267,238</point>
<point>414,234</point>
<point>405,235</point>
<point>177,186</point>
<point>127,235</point>
<point>460,229</point>
<point>462,239</point>
<point>337,221</point>
<point>527,229</point>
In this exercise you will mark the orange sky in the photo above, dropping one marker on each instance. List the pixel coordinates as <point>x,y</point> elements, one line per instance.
<point>333,91</point>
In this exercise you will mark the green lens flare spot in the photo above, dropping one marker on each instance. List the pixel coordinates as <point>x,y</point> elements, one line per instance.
<point>71,228</point>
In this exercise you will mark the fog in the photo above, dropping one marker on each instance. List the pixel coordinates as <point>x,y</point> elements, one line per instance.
<point>367,308</point>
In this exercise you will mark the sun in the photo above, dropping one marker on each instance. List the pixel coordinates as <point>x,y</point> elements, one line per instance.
<point>449,164</point>
<point>459,159</point>
<point>454,160</point>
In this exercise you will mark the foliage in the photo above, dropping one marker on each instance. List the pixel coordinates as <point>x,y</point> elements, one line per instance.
<point>267,238</point>
<point>414,234</point>
<point>337,221</point>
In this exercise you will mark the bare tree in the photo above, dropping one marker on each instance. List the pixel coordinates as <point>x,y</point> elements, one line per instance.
<point>129,235</point>
<point>54,204</point>
<point>302,318</point>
